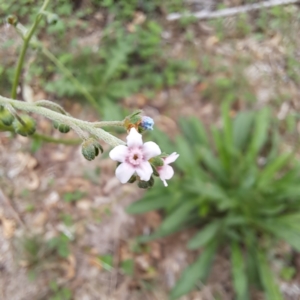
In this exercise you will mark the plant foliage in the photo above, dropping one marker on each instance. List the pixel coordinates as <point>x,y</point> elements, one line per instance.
<point>240,190</point>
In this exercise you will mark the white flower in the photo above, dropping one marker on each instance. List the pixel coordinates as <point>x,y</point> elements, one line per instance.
<point>134,157</point>
<point>166,172</point>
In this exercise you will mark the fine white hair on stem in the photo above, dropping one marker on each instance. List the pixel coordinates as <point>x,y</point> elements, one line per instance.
<point>85,126</point>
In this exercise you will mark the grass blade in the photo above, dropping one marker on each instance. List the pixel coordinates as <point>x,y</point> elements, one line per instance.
<point>268,281</point>
<point>240,280</point>
<point>194,273</point>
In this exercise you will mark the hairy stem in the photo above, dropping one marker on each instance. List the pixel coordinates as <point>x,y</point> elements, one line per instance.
<point>109,123</point>
<point>45,138</point>
<point>27,39</point>
<point>64,119</point>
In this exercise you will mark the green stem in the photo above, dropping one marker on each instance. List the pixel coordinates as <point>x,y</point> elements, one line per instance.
<point>72,78</point>
<point>49,139</point>
<point>27,38</point>
<point>109,123</point>
<point>63,119</point>
<point>45,138</point>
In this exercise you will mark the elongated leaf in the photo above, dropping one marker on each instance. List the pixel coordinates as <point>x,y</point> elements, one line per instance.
<point>242,126</point>
<point>266,275</point>
<point>240,280</point>
<point>212,162</point>
<point>187,159</point>
<point>205,235</point>
<point>270,171</point>
<point>194,273</point>
<point>222,151</point>
<point>199,131</point>
<point>260,133</point>
<point>150,202</point>
<point>284,232</point>
<point>207,190</point>
<point>227,126</point>
<point>179,216</point>
<point>188,131</point>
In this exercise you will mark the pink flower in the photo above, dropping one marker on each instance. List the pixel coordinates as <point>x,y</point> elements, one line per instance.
<point>134,157</point>
<point>166,172</point>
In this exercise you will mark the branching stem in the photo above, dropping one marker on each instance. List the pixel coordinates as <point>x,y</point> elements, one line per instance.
<point>88,127</point>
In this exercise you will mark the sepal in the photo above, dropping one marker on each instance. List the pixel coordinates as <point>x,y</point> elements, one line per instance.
<point>27,127</point>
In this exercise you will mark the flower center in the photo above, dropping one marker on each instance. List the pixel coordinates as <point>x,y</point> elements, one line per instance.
<point>135,156</point>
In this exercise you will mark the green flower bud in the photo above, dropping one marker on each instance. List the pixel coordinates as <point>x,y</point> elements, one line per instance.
<point>155,173</point>
<point>12,20</point>
<point>151,182</point>
<point>132,179</point>
<point>6,117</point>
<point>143,184</point>
<point>157,161</point>
<point>63,128</point>
<point>52,18</point>
<point>26,129</point>
<point>90,149</point>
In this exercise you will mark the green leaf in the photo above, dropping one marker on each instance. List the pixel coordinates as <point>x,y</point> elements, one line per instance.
<point>187,159</point>
<point>242,126</point>
<point>260,133</point>
<point>272,168</point>
<point>267,278</point>
<point>240,281</point>
<point>106,261</point>
<point>205,235</point>
<point>227,126</point>
<point>283,231</point>
<point>199,131</point>
<point>220,146</point>
<point>194,130</point>
<point>198,271</point>
<point>212,162</point>
<point>127,266</point>
<point>151,201</point>
<point>177,217</point>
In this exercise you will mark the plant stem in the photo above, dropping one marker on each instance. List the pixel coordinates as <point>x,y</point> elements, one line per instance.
<point>49,139</point>
<point>109,123</point>
<point>64,119</point>
<point>26,38</point>
<point>72,78</point>
<point>45,138</point>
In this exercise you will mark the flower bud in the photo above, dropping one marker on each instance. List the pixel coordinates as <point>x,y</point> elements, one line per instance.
<point>12,20</point>
<point>157,161</point>
<point>151,182</point>
<point>90,149</point>
<point>63,128</point>
<point>52,18</point>
<point>143,184</point>
<point>132,179</point>
<point>6,117</point>
<point>26,129</point>
<point>147,123</point>
<point>155,173</point>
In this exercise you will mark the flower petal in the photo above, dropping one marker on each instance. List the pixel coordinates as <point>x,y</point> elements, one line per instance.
<point>151,149</point>
<point>166,172</point>
<point>134,139</point>
<point>171,158</point>
<point>119,153</point>
<point>144,170</point>
<point>124,171</point>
